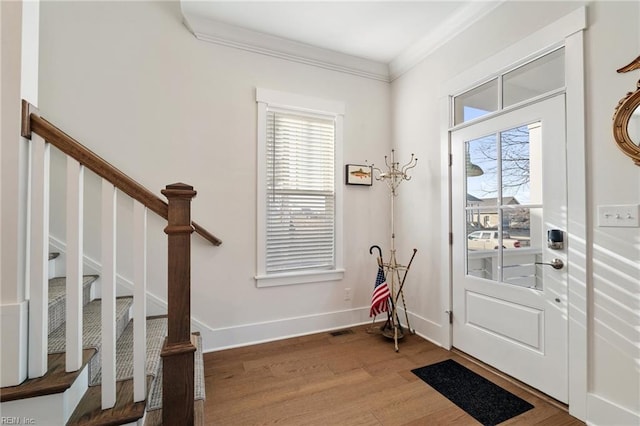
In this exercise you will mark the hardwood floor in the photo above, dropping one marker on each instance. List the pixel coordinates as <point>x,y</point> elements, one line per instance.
<point>350,379</point>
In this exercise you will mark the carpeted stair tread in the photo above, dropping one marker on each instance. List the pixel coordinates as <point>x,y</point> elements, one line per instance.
<point>156,333</point>
<point>89,411</point>
<point>57,287</point>
<point>92,330</point>
<point>57,298</point>
<point>91,325</point>
<point>154,402</point>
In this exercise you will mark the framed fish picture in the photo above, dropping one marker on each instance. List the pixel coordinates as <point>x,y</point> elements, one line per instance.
<point>357,174</point>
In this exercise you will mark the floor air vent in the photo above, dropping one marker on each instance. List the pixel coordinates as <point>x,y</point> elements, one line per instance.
<point>341,332</point>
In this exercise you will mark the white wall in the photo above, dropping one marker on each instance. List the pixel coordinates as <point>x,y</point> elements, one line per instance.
<point>130,81</point>
<point>611,41</point>
<point>11,15</point>
<point>13,316</point>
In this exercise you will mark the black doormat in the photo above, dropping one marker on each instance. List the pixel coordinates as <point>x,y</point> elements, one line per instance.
<point>485,401</point>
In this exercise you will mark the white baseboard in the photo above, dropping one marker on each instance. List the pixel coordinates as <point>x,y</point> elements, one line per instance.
<point>251,334</point>
<point>426,328</point>
<point>602,412</point>
<point>13,351</point>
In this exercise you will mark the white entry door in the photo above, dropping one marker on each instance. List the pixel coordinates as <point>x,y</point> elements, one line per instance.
<point>509,285</point>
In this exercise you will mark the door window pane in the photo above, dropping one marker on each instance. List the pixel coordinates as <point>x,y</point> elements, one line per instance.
<point>522,267</point>
<point>533,79</point>
<point>476,102</point>
<point>482,207</point>
<point>521,165</point>
<point>482,254</point>
<point>481,173</point>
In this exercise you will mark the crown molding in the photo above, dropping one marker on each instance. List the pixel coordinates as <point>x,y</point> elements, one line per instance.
<point>252,41</point>
<point>447,30</point>
<point>224,34</point>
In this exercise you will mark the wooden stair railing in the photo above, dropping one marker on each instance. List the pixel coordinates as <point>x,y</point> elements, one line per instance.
<point>178,350</point>
<point>33,122</point>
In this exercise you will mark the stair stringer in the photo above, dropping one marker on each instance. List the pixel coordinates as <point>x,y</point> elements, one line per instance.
<point>54,409</point>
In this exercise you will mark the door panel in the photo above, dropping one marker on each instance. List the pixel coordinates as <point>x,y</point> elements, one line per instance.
<point>508,190</point>
<point>487,313</point>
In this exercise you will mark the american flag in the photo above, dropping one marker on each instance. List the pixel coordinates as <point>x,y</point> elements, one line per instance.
<point>380,298</point>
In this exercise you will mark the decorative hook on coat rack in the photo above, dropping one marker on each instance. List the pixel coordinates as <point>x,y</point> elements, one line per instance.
<point>394,174</point>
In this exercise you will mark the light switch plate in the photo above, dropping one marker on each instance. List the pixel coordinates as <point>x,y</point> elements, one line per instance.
<point>619,216</point>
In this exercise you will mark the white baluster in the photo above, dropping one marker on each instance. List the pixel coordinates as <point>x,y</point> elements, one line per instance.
<point>108,280</point>
<point>39,258</point>
<point>74,253</point>
<point>139,301</point>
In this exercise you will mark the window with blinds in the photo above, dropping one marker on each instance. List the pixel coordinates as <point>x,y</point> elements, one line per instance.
<point>300,216</point>
<point>299,192</point>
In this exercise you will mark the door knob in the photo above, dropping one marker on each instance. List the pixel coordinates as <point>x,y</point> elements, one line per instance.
<point>555,263</point>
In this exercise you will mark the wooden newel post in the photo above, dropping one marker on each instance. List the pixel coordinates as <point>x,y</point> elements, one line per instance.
<point>178,351</point>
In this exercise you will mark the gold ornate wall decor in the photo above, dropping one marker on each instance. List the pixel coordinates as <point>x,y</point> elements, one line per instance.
<point>626,119</point>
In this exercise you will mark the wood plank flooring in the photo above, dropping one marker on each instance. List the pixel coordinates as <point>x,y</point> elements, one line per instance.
<point>351,379</point>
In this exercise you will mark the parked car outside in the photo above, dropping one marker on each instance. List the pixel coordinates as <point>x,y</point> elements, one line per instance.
<point>488,240</point>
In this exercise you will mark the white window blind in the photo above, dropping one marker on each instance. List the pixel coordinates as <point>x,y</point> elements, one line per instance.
<point>300,192</point>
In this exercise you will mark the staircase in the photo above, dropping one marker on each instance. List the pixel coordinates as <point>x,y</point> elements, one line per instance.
<point>104,361</point>
<point>89,411</point>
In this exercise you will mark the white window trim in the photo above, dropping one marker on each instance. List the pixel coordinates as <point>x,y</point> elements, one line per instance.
<point>304,104</point>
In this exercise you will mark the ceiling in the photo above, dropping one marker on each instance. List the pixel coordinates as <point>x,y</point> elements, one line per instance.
<point>392,33</point>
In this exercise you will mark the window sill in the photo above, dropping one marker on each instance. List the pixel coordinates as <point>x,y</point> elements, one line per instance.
<point>293,278</point>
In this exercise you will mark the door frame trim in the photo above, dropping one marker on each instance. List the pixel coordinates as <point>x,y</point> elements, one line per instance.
<point>567,31</point>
